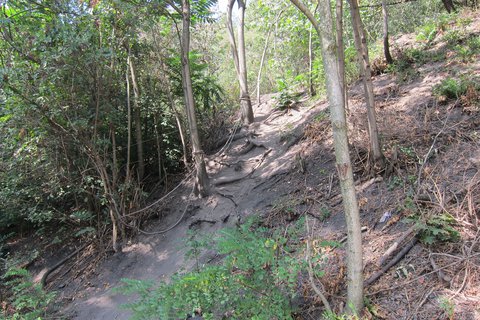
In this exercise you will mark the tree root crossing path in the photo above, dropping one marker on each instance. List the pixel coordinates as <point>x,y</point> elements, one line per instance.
<point>245,178</point>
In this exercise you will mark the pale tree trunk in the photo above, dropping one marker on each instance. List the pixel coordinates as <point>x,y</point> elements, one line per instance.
<point>159,146</point>
<point>340,47</point>
<point>339,125</point>
<point>201,178</point>
<point>386,45</point>
<point>239,58</point>
<point>264,54</point>
<point>311,57</point>
<point>259,76</point>
<point>138,123</point>
<point>364,64</point>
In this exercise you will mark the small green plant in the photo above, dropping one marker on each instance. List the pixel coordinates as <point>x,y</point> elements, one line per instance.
<point>256,280</point>
<point>427,32</point>
<point>450,88</point>
<point>437,228</point>
<point>395,182</point>
<point>286,100</point>
<point>325,213</point>
<point>453,37</point>
<point>27,299</point>
<point>448,306</point>
<point>321,116</point>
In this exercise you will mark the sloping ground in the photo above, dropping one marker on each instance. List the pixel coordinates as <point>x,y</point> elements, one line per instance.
<point>433,159</point>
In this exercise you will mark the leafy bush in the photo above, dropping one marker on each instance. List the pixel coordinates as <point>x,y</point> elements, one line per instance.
<point>27,300</point>
<point>437,228</point>
<point>427,32</point>
<point>450,88</point>
<point>256,280</point>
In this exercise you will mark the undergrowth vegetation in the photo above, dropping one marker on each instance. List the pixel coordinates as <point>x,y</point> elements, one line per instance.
<point>258,277</point>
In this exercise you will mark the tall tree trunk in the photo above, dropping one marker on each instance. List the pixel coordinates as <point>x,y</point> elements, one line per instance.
<point>201,178</point>
<point>340,47</point>
<point>364,64</point>
<point>138,123</point>
<point>239,58</point>
<point>386,45</point>
<point>311,57</point>
<point>339,125</point>
<point>159,145</point>
<point>262,60</point>
<point>129,119</point>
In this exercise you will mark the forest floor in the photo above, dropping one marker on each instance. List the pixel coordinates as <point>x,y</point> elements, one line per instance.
<point>287,169</point>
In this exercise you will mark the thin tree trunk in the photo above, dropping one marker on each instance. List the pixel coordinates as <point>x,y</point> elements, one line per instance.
<point>264,53</point>
<point>311,57</point>
<point>159,146</point>
<point>129,120</point>
<point>180,128</point>
<point>114,157</point>
<point>364,64</point>
<point>171,100</point>
<point>343,163</point>
<point>138,122</point>
<point>239,58</point>
<point>386,45</point>
<point>340,48</point>
<point>201,179</point>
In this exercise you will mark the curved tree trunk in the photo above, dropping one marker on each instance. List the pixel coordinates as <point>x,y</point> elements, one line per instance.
<point>364,64</point>
<point>239,59</point>
<point>386,45</point>
<point>201,178</point>
<point>343,163</point>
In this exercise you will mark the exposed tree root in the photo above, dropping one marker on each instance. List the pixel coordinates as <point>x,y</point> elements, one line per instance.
<point>60,263</point>
<point>200,221</point>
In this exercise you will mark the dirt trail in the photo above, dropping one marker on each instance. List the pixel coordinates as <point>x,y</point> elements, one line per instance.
<point>157,257</point>
<point>292,164</point>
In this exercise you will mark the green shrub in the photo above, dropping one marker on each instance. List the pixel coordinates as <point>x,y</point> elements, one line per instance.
<point>450,88</point>
<point>427,32</point>
<point>27,300</point>
<point>256,280</point>
<point>437,228</point>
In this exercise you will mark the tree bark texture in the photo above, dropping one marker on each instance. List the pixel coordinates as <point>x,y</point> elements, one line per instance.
<point>339,125</point>
<point>366,71</point>
<point>201,178</point>
<point>340,46</point>
<point>239,58</point>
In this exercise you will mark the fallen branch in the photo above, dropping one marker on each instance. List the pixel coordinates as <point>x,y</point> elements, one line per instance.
<point>395,245</point>
<point>393,262</point>
<point>423,275</point>
<point>43,281</point>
